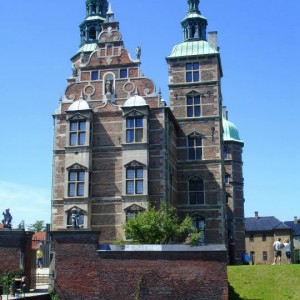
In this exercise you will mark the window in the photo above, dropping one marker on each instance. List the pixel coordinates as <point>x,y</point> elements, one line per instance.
<point>134,181</point>
<point>199,223</point>
<point>77,132</point>
<point>227,178</point>
<point>92,34</point>
<point>192,72</point>
<point>196,191</point>
<point>134,129</point>
<point>123,73</point>
<point>193,106</point>
<point>265,255</point>
<point>225,153</point>
<point>264,237</point>
<point>95,75</point>
<point>195,147</point>
<point>76,183</point>
<point>132,211</point>
<point>251,238</point>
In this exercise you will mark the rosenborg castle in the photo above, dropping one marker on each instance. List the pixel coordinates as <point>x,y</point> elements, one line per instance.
<point>119,147</point>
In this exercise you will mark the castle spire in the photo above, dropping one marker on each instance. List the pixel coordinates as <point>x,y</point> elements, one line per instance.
<point>90,28</point>
<point>194,24</point>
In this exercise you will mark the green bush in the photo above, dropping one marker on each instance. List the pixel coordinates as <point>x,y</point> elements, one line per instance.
<point>159,226</point>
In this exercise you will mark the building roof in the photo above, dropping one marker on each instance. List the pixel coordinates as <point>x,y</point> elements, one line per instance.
<point>294,226</point>
<point>264,224</point>
<point>135,100</point>
<point>190,48</point>
<point>230,131</point>
<point>79,105</point>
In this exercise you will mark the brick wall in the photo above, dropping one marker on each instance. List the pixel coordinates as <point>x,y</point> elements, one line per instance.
<point>82,272</point>
<point>13,244</point>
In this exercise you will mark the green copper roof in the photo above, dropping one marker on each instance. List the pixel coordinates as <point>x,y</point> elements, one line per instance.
<point>193,15</point>
<point>230,133</point>
<point>190,48</point>
<point>88,48</point>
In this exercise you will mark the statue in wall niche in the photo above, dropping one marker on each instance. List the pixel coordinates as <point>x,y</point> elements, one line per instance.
<point>7,219</point>
<point>74,71</point>
<point>75,217</point>
<point>109,87</point>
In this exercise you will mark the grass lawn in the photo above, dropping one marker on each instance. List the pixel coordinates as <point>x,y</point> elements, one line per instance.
<point>264,282</point>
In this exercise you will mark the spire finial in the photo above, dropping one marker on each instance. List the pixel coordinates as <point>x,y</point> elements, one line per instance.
<point>194,5</point>
<point>110,13</point>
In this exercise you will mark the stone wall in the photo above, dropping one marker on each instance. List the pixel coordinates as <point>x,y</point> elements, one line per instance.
<point>176,272</point>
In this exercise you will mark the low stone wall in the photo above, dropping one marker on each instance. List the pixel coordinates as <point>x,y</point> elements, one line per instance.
<point>160,272</point>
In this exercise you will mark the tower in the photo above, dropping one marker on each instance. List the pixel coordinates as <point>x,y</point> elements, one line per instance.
<point>196,101</point>
<point>203,186</point>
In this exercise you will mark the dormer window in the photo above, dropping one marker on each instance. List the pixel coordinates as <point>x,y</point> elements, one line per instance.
<point>77,132</point>
<point>134,129</point>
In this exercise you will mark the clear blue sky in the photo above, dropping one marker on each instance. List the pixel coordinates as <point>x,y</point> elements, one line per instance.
<point>259,43</point>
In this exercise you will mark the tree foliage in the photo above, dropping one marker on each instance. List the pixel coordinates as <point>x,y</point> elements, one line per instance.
<point>158,226</point>
<point>37,226</point>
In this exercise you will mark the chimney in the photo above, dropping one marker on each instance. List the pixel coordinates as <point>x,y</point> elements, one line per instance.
<point>213,39</point>
<point>295,220</point>
<point>225,112</point>
<point>256,214</point>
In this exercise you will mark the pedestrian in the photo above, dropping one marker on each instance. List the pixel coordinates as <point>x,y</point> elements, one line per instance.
<point>39,258</point>
<point>277,251</point>
<point>246,258</point>
<point>287,245</point>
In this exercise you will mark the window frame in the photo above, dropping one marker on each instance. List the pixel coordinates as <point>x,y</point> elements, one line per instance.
<point>198,194</point>
<point>193,106</point>
<point>77,184</point>
<point>77,133</point>
<point>194,147</point>
<point>134,133</point>
<point>134,180</point>
<point>192,72</point>
<point>122,71</point>
<point>96,77</point>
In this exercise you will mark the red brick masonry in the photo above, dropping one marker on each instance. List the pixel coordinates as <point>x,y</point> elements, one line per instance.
<point>82,272</point>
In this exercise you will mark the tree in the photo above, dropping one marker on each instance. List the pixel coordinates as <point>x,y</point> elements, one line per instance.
<point>37,226</point>
<point>158,226</point>
<point>21,225</point>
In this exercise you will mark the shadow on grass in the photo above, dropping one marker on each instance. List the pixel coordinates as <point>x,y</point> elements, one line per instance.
<point>233,295</point>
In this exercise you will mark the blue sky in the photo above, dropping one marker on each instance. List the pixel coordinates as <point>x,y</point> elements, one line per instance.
<point>259,44</point>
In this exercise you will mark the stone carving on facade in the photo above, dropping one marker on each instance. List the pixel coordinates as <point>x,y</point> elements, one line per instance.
<point>75,217</point>
<point>138,52</point>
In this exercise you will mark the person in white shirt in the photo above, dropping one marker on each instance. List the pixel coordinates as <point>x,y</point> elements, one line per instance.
<point>287,245</point>
<point>277,251</point>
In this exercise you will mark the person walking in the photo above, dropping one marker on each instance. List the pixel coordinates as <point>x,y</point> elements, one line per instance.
<point>277,251</point>
<point>39,258</point>
<point>287,245</point>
